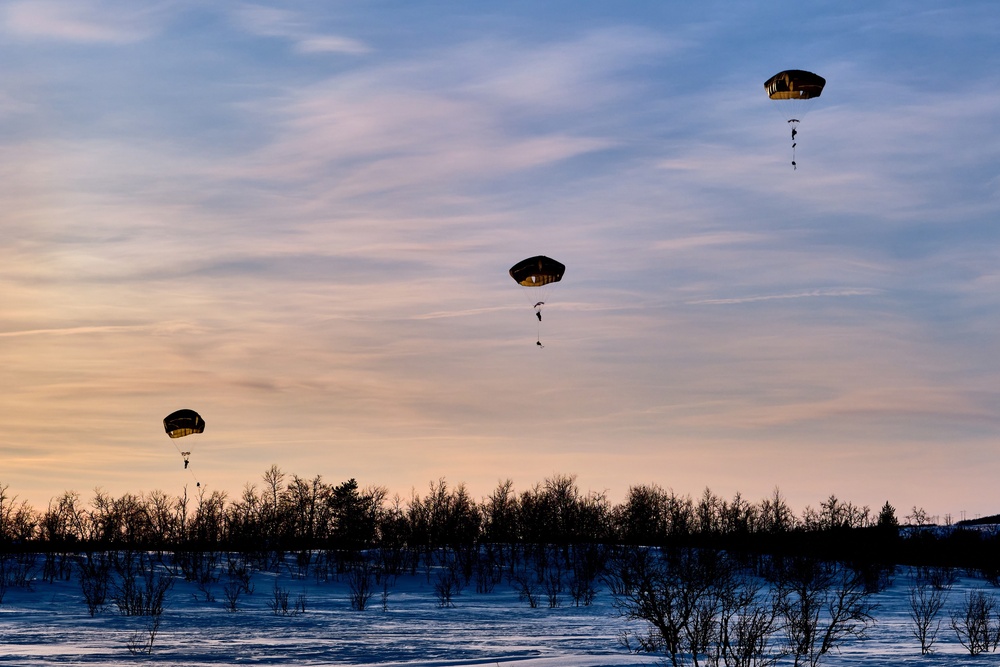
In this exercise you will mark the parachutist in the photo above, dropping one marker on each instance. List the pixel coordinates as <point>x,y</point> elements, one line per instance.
<point>794,132</point>
<point>539,343</point>
<point>794,165</point>
<point>536,272</point>
<point>186,462</point>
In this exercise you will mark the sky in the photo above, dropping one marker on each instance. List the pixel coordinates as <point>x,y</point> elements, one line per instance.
<point>297,219</point>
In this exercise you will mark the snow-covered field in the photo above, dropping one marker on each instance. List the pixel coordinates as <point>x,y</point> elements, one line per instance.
<point>50,625</point>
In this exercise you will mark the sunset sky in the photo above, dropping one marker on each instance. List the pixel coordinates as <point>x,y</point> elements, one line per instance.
<point>297,219</point>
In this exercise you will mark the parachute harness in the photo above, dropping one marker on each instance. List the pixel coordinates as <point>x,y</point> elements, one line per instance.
<point>538,314</point>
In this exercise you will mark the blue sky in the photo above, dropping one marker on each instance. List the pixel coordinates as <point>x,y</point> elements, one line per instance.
<point>298,221</point>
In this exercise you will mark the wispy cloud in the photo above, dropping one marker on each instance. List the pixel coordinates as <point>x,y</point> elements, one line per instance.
<point>300,219</point>
<point>295,27</point>
<point>810,294</point>
<point>73,331</point>
<point>84,21</point>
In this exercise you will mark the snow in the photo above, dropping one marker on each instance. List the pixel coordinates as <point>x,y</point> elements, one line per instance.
<point>49,624</point>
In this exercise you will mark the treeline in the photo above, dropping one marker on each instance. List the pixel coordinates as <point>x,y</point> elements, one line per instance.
<point>290,513</point>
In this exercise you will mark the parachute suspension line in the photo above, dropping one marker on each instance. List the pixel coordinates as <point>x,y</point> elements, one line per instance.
<point>794,122</point>
<point>187,459</point>
<point>538,314</point>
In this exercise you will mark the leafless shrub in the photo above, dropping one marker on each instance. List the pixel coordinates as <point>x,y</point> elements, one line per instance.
<point>552,582</point>
<point>95,580</point>
<point>527,584</point>
<point>824,605</point>
<point>281,603</point>
<point>200,566</point>
<point>361,581</point>
<point>941,577</point>
<point>588,563</point>
<point>232,592</point>
<point>239,575</point>
<point>138,589</point>
<point>447,586</point>
<point>141,640</point>
<point>16,570</point>
<point>385,594</point>
<point>926,603</point>
<point>279,600</point>
<point>976,622</point>
<point>682,595</point>
<point>748,628</point>
<point>489,568</point>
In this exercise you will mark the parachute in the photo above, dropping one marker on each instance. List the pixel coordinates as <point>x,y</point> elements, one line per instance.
<point>537,273</point>
<point>794,84</point>
<point>181,423</point>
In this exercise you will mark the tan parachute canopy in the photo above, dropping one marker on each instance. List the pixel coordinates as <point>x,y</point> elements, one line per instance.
<point>183,422</point>
<point>794,84</point>
<point>537,271</point>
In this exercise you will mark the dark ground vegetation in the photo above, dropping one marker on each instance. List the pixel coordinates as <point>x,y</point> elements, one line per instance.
<point>732,581</point>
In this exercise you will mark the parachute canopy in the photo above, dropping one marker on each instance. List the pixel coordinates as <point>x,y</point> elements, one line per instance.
<point>794,84</point>
<point>183,422</point>
<point>537,271</point>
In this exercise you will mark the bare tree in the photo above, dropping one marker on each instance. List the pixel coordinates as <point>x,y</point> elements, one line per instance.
<point>527,583</point>
<point>18,521</point>
<point>976,622</point>
<point>588,563</point>
<point>240,580</point>
<point>824,605</point>
<point>281,604</point>
<point>139,588</point>
<point>749,626</point>
<point>141,640</point>
<point>361,580</point>
<point>447,586</point>
<point>95,579</point>
<point>926,603</point>
<point>681,594</point>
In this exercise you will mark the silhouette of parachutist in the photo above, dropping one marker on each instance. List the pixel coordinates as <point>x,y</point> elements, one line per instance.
<point>538,314</point>
<point>539,343</point>
<point>794,132</point>
<point>186,464</point>
<point>793,165</point>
